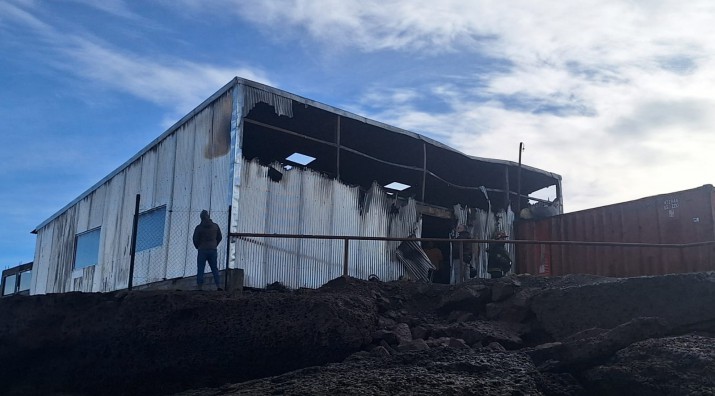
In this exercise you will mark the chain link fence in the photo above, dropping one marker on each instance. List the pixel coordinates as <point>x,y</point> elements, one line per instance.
<point>164,244</point>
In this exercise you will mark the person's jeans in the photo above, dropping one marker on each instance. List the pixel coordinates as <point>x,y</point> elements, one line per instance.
<point>204,255</point>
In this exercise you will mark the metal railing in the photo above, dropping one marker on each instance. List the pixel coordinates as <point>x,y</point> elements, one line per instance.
<point>347,238</point>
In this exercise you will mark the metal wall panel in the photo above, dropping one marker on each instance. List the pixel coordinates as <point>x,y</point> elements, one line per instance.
<point>200,191</point>
<point>306,202</point>
<point>185,170</point>
<point>149,258</point>
<point>62,255</point>
<point>163,194</point>
<point>43,250</point>
<point>249,217</point>
<point>675,218</point>
<point>181,202</point>
<point>219,152</point>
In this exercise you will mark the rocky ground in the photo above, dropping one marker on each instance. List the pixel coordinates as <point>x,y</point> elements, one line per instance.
<point>521,335</point>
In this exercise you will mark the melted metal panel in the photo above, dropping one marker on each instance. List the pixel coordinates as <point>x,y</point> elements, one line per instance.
<point>305,202</point>
<point>281,104</point>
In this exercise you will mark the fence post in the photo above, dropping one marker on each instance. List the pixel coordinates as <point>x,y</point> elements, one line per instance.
<point>133,250</point>
<point>345,258</point>
<point>461,262</point>
<point>228,248</point>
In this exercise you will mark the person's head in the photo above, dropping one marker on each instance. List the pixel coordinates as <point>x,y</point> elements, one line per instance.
<point>205,215</point>
<point>461,228</point>
<point>500,235</point>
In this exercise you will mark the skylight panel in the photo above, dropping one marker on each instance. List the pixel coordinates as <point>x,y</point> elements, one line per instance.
<point>397,186</point>
<point>299,158</point>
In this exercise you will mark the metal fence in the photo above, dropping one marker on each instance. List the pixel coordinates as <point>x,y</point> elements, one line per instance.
<point>311,260</point>
<point>162,244</point>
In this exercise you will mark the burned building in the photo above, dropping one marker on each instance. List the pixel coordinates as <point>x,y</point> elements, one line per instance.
<point>262,160</point>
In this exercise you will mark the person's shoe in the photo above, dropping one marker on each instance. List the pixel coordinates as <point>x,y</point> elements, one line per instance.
<point>219,289</point>
<point>199,287</point>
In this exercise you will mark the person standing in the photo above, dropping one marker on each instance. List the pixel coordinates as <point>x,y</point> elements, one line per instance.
<point>207,236</point>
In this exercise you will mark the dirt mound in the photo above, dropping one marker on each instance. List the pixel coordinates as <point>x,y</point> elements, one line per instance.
<point>443,371</point>
<point>516,335</point>
<point>164,342</point>
<point>683,365</point>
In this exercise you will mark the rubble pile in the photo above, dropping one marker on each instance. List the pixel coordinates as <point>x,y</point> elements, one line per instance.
<point>571,335</point>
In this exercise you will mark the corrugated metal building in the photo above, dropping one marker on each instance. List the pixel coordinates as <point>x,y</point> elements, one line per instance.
<point>284,164</point>
<point>676,218</point>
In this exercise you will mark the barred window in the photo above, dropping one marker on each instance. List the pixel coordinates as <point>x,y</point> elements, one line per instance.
<point>150,228</point>
<point>86,249</point>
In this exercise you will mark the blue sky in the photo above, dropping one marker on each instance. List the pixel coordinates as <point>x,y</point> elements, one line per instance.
<point>615,96</point>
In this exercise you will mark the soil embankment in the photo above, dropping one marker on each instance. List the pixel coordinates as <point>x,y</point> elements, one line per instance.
<point>573,335</point>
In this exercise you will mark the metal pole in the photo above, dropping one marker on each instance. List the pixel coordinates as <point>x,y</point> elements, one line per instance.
<point>518,182</point>
<point>228,248</point>
<point>133,250</point>
<point>345,257</point>
<point>337,156</point>
<point>461,262</point>
<point>507,190</point>
<point>424,170</point>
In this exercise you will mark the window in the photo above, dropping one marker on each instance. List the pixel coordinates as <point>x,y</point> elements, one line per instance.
<point>150,228</point>
<point>87,249</point>
<point>25,278</point>
<point>9,285</point>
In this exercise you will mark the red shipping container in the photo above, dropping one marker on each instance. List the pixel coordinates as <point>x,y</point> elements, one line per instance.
<point>676,218</point>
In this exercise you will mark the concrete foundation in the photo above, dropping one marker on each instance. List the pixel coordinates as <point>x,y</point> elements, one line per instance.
<point>230,281</point>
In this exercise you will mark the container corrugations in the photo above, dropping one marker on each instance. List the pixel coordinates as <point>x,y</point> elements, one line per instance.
<point>675,218</point>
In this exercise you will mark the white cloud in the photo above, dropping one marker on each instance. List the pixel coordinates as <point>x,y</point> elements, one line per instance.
<point>175,83</point>
<point>14,13</point>
<point>613,95</point>
<point>113,7</point>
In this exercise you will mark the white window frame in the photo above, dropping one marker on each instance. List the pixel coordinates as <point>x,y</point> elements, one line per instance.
<point>82,240</point>
<point>142,231</point>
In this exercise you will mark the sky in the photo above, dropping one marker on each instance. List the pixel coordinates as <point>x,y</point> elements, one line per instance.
<point>616,96</point>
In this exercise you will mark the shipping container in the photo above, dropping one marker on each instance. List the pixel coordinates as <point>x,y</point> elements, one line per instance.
<point>681,217</point>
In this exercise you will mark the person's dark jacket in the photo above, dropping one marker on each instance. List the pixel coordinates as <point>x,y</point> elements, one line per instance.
<point>207,235</point>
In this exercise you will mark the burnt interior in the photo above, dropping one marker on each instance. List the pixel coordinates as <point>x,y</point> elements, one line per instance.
<point>360,153</point>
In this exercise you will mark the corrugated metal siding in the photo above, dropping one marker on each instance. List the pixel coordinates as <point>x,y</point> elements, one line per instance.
<point>680,217</point>
<point>483,225</point>
<point>281,104</point>
<point>186,171</point>
<point>305,202</point>
<point>43,250</point>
